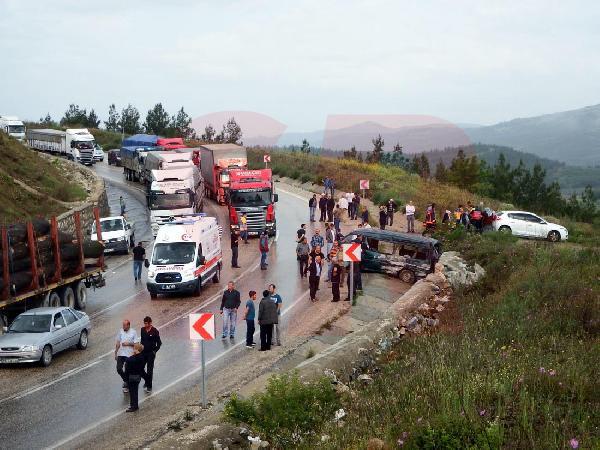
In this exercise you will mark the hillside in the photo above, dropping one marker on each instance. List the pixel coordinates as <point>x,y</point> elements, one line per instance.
<point>570,136</point>
<point>45,176</point>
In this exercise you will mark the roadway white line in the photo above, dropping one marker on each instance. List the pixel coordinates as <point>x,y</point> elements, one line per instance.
<point>96,360</point>
<point>292,194</point>
<point>164,388</point>
<point>108,308</point>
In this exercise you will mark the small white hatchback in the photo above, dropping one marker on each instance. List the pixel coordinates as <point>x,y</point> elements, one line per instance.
<point>526,224</point>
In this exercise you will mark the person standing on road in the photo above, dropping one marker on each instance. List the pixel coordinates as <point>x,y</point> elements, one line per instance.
<point>343,203</point>
<point>134,371</point>
<point>122,205</point>
<point>315,267</point>
<point>244,228</point>
<point>263,246</point>
<point>332,258</point>
<point>302,250</point>
<point>355,206</point>
<point>337,218</point>
<point>317,240</point>
<point>139,254</point>
<point>277,331</point>
<point>301,232</point>
<point>329,238</point>
<point>124,349</point>
<point>391,209</point>
<point>229,306</point>
<point>336,273</point>
<point>365,215</point>
<point>383,217</point>
<point>330,207</point>
<point>150,339</point>
<point>322,208</point>
<point>312,207</point>
<point>235,240</point>
<point>410,217</point>
<point>267,317</point>
<point>249,314</point>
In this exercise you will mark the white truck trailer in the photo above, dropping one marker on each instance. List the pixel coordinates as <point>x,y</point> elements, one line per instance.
<point>12,126</point>
<point>170,159</point>
<point>76,144</point>
<point>174,192</point>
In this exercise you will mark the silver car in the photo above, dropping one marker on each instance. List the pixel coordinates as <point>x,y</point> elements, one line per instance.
<point>36,335</point>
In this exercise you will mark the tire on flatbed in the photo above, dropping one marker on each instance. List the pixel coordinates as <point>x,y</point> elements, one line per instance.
<point>67,297</point>
<point>80,295</point>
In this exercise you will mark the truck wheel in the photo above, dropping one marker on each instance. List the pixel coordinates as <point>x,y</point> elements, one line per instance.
<point>407,276</point>
<point>46,358</point>
<point>53,299</point>
<point>80,295</point>
<point>216,276</point>
<point>67,297</point>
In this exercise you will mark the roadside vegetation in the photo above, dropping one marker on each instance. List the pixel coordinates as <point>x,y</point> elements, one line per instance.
<point>27,166</point>
<point>514,364</point>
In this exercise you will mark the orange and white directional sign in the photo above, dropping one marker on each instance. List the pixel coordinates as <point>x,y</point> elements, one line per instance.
<point>202,326</point>
<point>267,158</point>
<point>352,252</point>
<point>364,184</point>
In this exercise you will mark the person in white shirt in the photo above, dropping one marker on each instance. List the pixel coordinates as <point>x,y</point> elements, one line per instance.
<point>410,217</point>
<point>343,202</point>
<point>126,338</point>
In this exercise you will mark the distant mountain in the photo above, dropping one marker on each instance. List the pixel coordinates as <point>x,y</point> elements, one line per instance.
<point>570,136</point>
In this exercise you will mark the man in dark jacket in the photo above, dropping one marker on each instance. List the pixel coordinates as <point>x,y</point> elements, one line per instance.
<point>330,208</point>
<point>322,208</point>
<point>383,217</point>
<point>235,240</point>
<point>134,371</point>
<point>229,305</point>
<point>267,317</point>
<point>150,339</point>
<point>355,207</point>
<point>312,207</point>
<point>315,267</point>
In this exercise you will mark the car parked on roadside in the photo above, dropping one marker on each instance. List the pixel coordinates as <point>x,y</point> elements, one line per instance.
<point>117,234</point>
<point>407,256</point>
<point>527,224</point>
<point>114,157</point>
<point>38,334</point>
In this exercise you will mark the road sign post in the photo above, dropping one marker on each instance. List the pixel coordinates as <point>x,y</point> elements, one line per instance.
<point>352,254</point>
<point>363,185</point>
<point>202,328</point>
<point>266,159</point>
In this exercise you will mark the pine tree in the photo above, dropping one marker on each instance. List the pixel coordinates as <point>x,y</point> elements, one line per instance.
<point>377,152</point>
<point>92,119</point>
<point>305,148</point>
<point>424,166</point>
<point>130,120</point>
<point>112,124</point>
<point>157,120</point>
<point>231,132</point>
<point>208,137</point>
<point>441,173</point>
<point>74,116</point>
<point>180,125</point>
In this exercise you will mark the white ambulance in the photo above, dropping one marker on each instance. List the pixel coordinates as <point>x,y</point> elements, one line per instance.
<point>186,255</point>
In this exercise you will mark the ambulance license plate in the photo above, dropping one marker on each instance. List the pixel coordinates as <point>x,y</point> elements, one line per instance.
<point>169,287</point>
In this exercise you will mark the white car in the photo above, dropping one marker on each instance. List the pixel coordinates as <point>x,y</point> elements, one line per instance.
<point>98,153</point>
<point>117,234</point>
<point>526,224</point>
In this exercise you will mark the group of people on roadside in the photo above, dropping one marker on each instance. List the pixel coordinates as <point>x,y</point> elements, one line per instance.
<point>269,310</point>
<point>135,357</point>
<point>240,235</point>
<point>473,218</point>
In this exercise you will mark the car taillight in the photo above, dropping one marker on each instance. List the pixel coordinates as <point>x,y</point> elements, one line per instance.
<point>233,218</point>
<point>270,213</point>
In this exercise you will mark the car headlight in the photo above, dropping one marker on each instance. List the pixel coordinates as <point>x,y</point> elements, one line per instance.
<point>29,348</point>
<point>151,273</point>
<point>188,273</point>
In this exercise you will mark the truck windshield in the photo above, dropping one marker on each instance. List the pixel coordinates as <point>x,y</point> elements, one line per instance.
<point>83,145</point>
<point>174,253</point>
<point>250,198</point>
<point>16,128</point>
<point>30,323</point>
<point>111,225</point>
<point>170,201</point>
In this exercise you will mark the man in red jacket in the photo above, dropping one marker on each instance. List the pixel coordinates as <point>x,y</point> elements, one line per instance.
<point>263,246</point>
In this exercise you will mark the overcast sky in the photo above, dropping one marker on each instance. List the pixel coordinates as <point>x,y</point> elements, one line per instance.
<point>299,61</point>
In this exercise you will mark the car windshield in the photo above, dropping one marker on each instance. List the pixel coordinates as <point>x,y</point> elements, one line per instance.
<point>16,128</point>
<point>30,323</point>
<point>174,253</point>
<point>170,201</point>
<point>251,198</point>
<point>111,225</point>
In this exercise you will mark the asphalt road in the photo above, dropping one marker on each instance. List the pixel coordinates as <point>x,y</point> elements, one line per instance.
<point>56,406</point>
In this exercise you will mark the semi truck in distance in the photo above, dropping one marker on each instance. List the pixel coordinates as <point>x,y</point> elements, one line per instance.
<point>134,150</point>
<point>12,126</point>
<point>76,144</point>
<point>252,192</point>
<point>186,255</point>
<point>171,159</point>
<point>174,192</point>
<point>216,161</point>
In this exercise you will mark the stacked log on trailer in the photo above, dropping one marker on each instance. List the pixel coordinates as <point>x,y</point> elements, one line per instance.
<point>42,252</point>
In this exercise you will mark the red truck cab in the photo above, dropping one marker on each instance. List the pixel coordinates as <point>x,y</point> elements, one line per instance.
<point>252,192</point>
<point>170,143</point>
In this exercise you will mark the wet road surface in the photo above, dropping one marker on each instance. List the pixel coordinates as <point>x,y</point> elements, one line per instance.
<point>51,407</point>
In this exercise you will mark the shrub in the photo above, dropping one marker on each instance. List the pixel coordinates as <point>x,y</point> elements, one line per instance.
<point>305,178</point>
<point>287,411</point>
<point>455,434</point>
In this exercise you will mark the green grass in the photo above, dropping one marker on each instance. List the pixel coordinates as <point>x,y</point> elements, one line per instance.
<point>514,363</point>
<point>37,172</point>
